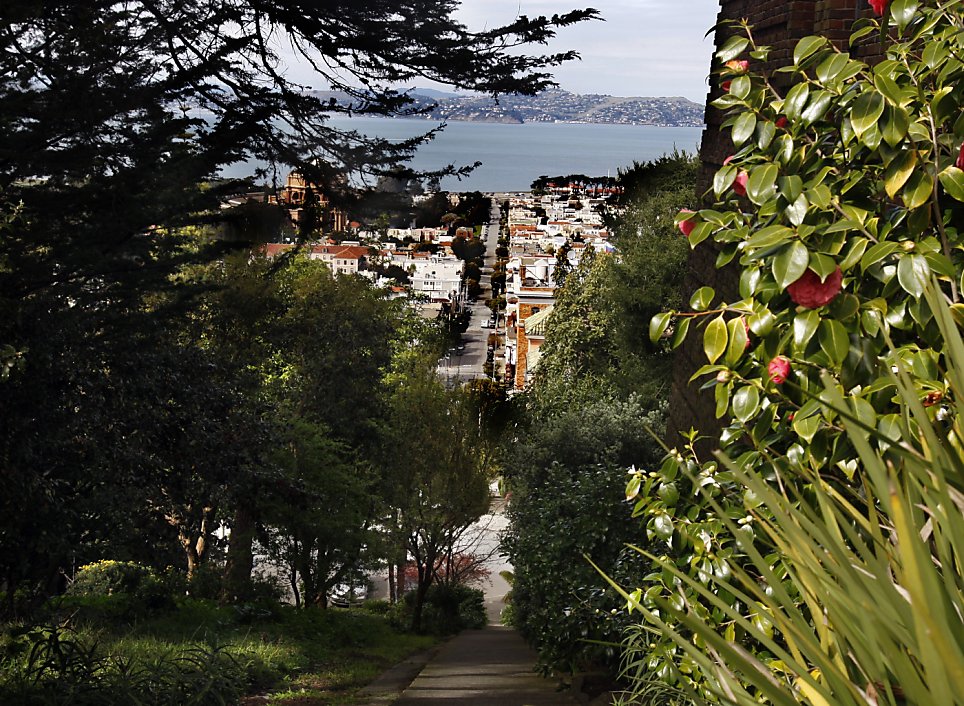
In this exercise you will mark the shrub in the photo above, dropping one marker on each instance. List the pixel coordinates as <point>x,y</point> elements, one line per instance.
<point>448,609</point>
<point>50,666</point>
<point>138,587</point>
<point>841,202</point>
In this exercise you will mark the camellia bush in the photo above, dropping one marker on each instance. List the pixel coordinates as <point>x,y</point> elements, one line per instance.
<point>843,199</point>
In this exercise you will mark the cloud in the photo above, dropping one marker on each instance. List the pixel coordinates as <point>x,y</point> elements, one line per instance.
<point>643,47</point>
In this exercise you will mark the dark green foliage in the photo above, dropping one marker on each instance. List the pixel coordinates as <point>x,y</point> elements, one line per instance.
<point>448,609</point>
<point>669,173</point>
<point>566,472</point>
<point>467,248</point>
<point>598,395</point>
<point>145,590</point>
<point>56,667</point>
<point>128,430</point>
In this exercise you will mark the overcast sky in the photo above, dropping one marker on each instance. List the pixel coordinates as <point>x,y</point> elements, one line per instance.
<point>642,48</point>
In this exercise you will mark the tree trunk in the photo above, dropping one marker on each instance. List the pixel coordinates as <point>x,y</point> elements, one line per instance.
<point>240,559</point>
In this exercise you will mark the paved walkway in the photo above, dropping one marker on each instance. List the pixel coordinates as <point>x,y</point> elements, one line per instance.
<point>490,667</point>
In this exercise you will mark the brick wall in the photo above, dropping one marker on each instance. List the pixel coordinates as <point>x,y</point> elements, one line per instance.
<point>778,24</point>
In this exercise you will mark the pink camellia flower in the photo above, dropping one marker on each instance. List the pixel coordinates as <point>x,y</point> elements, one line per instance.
<point>686,227</point>
<point>960,158</point>
<point>739,184</point>
<point>879,6</point>
<point>781,121</point>
<point>740,66</point>
<point>779,369</point>
<point>810,293</point>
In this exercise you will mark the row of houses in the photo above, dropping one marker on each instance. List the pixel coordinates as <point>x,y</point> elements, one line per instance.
<point>539,228</point>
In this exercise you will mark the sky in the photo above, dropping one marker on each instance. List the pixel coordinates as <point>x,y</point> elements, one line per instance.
<point>642,48</point>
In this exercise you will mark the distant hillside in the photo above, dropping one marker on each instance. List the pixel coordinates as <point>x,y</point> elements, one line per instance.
<point>556,106</point>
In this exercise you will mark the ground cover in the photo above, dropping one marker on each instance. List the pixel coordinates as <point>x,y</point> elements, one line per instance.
<point>95,652</point>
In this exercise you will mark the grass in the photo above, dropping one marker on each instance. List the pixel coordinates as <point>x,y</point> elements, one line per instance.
<point>300,657</point>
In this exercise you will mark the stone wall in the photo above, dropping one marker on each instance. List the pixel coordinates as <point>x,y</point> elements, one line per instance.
<point>778,24</point>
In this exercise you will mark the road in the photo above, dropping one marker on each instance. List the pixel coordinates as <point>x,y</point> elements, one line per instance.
<point>455,367</point>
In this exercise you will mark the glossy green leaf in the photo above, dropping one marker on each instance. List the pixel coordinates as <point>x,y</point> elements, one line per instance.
<point>903,12</point>
<point>918,189</point>
<point>723,179</point>
<point>831,67</point>
<point>721,395</point>
<point>817,107</point>
<point>732,48</point>
<point>790,263</point>
<point>702,298</point>
<point>807,427</point>
<point>895,123</point>
<point>866,110</point>
<point>743,128</point>
<point>913,273</point>
<point>878,252</point>
<point>899,171</point>
<point>804,327</point>
<point>746,402</point>
<point>663,526</point>
<point>682,328</point>
<point>797,211</point>
<point>834,340</point>
<point>822,264</point>
<point>952,179</point>
<point>749,280</point>
<point>740,86</point>
<point>658,325</point>
<point>701,232</point>
<point>765,132</point>
<point>856,247</point>
<point>819,196</point>
<point>761,184</point>
<point>807,46</point>
<point>888,88</point>
<point>769,236</point>
<point>736,345</point>
<point>761,323</point>
<point>796,100</point>
<point>715,338</point>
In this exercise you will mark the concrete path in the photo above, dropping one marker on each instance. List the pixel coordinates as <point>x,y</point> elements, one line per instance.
<point>490,667</point>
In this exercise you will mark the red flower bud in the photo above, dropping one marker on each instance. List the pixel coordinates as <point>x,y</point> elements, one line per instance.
<point>739,184</point>
<point>810,293</point>
<point>686,226</point>
<point>740,66</point>
<point>779,369</point>
<point>879,6</point>
<point>960,158</point>
<point>725,86</point>
<point>746,327</point>
<point>728,159</point>
<point>782,121</point>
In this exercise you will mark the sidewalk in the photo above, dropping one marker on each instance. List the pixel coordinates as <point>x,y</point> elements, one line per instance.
<point>490,667</point>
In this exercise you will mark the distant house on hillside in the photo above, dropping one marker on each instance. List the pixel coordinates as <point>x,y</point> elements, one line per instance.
<point>341,259</point>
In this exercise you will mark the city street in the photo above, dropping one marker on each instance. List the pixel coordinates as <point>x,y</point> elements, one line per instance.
<point>459,367</point>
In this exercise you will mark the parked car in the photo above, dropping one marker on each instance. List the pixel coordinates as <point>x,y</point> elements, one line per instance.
<point>487,324</point>
<point>460,349</point>
<point>345,595</point>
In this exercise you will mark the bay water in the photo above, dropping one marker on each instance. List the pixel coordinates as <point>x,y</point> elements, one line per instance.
<point>513,155</point>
